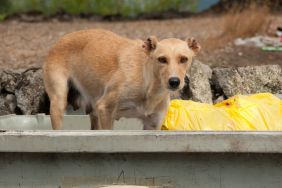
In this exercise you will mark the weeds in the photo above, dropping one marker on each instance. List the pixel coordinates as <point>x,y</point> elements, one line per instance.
<point>240,22</point>
<point>2,17</point>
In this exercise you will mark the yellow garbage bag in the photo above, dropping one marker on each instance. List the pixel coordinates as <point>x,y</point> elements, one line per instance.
<point>261,111</point>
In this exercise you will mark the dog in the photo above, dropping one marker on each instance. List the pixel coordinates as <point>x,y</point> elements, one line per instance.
<point>115,76</point>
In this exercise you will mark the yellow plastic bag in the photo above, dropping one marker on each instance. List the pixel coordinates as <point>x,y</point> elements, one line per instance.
<point>256,112</point>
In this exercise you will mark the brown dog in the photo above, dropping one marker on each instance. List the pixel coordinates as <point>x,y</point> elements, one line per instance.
<point>115,76</point>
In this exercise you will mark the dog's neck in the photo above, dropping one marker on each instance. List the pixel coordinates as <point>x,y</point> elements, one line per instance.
<point>154,92</point>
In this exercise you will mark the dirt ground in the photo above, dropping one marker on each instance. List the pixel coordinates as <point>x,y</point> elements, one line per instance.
<point>26,44</point>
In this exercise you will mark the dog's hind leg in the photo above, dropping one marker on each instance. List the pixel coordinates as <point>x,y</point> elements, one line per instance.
<point>56,85</point>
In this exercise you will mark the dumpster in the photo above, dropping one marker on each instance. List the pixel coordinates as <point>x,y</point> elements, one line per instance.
<point>32,155</point>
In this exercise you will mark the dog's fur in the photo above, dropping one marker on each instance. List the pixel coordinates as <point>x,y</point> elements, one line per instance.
<point>115,76</point>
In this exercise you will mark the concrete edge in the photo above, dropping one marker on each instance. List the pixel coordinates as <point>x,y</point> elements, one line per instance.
<point>140,141</point>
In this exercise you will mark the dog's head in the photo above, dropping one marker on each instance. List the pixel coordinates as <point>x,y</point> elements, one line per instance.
<point>171,58</point>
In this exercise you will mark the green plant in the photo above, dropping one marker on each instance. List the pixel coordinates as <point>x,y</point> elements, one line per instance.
<point>2,17</point>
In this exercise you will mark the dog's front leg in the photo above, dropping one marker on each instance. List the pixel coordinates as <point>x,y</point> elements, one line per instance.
<point>94,121</point>
<point>105,108</point>
<point>153,121</point>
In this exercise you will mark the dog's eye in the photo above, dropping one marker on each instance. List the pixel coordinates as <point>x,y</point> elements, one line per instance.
<point>162,60</point>
<point>183,60</point>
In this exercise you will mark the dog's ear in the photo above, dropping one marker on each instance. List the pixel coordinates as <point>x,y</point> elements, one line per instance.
<point>150,43</point>
<point>193,45</point>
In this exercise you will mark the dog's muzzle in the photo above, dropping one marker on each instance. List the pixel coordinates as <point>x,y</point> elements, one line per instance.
<point>173,83</point>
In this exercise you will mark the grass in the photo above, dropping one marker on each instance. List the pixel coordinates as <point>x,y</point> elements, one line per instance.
<point>124,8</point>
<point>2,17</point>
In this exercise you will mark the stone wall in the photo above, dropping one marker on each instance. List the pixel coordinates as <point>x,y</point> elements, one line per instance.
<point>22,92</point>
<point>213,85</point>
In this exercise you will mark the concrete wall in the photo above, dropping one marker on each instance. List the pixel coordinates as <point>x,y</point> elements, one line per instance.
<point>33,157</point>
<point>165,170</point>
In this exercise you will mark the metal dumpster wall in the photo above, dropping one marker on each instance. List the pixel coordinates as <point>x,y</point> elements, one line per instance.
<point>197,170</point>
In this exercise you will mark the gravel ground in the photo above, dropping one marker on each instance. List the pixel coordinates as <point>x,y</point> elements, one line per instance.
<point>26,44</point>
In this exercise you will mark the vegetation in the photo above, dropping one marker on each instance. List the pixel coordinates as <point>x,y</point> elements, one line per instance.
<point>238,22</point>
<point>124,8</point>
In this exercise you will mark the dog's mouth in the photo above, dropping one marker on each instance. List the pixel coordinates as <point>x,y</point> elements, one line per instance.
<point>173,89</point>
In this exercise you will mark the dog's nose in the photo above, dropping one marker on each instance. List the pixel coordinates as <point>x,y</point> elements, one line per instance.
<point>174,82</point>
